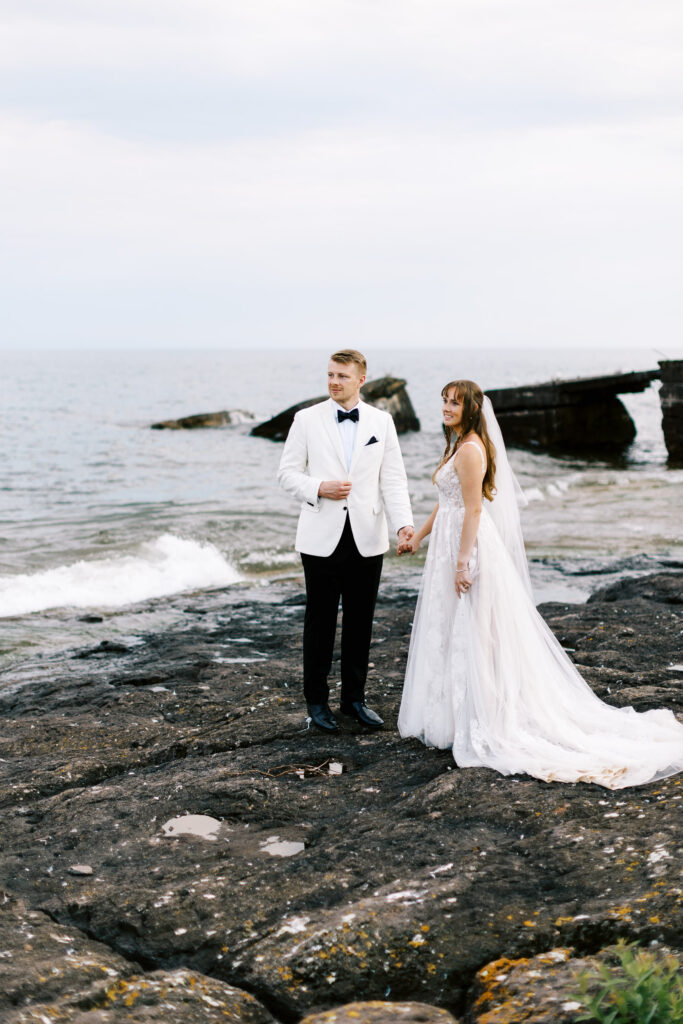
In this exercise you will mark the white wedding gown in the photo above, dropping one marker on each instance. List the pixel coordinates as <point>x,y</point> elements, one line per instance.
<point>486,676</point>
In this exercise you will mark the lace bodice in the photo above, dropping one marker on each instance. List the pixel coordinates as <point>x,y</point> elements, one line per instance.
<point>450,491</point>
<point>448,482</point>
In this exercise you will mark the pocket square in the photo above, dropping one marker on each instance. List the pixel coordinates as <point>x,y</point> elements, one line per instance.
<point>373,440</point>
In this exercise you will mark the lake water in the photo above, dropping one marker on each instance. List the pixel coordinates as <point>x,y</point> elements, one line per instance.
<point>101,515</point>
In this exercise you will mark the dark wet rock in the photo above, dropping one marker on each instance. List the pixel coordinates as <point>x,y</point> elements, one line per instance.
<point>105,647</point>
<point>582,415</point>
<point>671,399</point>
<point>413,873</point>
<point>223,418</point>
<point>91,618</point>
<point>387,393</point>
<point>390,395</point>
<point>382,1013</point>
<point>663,588</point>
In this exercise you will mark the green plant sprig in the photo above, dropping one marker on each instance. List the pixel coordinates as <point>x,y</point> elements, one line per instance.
<point>647,990</point>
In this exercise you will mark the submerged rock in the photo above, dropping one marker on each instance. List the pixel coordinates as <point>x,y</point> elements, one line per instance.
<point>387,393</point>
<point>663,588</point>
<point>206,419</point>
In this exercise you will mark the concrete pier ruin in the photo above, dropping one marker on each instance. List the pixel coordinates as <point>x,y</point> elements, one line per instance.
<point>671,398</point>
<point>583,416</point>
<point>580,416</point>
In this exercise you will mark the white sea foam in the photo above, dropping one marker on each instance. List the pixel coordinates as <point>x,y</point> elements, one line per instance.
<point>167,565</point>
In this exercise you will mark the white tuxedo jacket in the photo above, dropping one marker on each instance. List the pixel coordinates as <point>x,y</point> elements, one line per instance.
<point>313,453</point>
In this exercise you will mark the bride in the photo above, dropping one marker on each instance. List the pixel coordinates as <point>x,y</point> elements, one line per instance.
<point>485,675</point>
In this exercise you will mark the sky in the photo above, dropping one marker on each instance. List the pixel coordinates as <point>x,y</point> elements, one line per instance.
<point>305,173</point>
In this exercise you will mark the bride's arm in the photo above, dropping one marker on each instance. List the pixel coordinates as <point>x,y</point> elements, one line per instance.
<point>413,544</point>
<point>468,468</point>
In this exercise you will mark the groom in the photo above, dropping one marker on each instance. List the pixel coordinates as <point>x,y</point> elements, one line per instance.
<point>343,462</point>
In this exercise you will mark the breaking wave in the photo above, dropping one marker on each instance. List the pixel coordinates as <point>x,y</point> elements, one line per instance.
<point>158,568</point>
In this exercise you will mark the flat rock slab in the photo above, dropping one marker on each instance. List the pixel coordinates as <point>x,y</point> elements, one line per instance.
<point>57,974</point>
<point>160,997</point>
<point>405,874</point>
<point>382,1013</point>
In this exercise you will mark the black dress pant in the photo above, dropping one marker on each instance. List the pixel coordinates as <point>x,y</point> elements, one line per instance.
<point>345,575</point>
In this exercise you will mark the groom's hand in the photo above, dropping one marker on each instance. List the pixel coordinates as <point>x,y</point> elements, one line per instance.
<point>337,490</point>
<point>404,535</point>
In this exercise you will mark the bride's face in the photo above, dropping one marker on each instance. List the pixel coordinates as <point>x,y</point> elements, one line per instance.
<point>452,410</point>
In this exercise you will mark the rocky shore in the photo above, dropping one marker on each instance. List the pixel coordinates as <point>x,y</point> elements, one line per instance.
<point>323,871</point>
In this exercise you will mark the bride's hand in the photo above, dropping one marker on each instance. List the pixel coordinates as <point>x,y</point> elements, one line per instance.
<point>463,582</point>
<point>409,547</point>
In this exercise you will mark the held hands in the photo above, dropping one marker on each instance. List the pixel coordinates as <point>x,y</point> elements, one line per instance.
<point>463,581</point>
<point>337,490</point>
<point>407,541</point>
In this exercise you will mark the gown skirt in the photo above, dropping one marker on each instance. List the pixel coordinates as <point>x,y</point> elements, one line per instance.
<point>487,677</point>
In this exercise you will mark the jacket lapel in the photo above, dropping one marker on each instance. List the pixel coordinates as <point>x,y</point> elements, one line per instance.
<point>329,421</point>
<point>362,432</point>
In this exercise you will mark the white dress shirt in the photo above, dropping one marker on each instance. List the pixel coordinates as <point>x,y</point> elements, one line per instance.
<point>347,432</point>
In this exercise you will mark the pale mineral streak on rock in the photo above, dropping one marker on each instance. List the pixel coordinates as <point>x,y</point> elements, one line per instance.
<point>377,1012</point>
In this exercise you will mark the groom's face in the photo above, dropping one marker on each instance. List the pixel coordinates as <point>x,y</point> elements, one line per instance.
<point>344,382</point>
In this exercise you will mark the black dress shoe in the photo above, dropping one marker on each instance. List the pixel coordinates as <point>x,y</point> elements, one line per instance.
<point>363,714</point>
<point>321,716</point>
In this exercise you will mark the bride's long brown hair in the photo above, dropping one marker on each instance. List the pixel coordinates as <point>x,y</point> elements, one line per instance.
<point>471,397</point>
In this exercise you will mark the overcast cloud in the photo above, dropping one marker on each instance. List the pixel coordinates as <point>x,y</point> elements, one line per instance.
<point>201,173</point>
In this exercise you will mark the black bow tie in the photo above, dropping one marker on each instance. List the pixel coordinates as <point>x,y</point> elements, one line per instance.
<point>353,416</point>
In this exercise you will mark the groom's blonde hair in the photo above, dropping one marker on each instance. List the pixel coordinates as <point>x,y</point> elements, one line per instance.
<point>351,355</point>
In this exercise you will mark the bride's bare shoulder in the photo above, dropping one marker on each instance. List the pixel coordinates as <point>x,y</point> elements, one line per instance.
<point>470,442</point>
<point>470,453</point>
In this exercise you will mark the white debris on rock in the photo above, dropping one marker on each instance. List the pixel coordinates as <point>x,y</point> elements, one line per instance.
<point>200,825</point>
